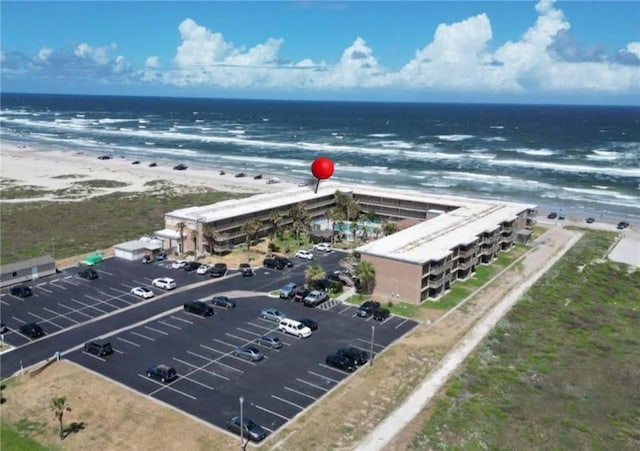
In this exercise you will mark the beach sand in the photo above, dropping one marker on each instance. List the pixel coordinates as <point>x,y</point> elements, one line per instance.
<point>53,170</point>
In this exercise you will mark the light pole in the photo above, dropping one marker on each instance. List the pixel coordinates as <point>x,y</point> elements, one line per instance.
<point>241,424</point>
<point>373,331</point>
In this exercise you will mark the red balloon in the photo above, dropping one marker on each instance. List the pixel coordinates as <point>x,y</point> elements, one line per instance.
<point>322,168</point>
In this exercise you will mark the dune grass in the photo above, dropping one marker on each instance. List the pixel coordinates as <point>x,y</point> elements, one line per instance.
<point>560,371</point>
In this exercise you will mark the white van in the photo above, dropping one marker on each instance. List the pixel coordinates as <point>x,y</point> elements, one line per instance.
<point>293,327</point>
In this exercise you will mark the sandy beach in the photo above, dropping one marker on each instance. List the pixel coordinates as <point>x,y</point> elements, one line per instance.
<point>53,170</point>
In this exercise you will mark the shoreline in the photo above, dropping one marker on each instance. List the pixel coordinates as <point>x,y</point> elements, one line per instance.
<point>51,169</point>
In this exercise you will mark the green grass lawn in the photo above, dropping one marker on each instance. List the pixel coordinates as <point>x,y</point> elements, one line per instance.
<point>12,440</point>
<point>73,228</point>
<point>560,371</point>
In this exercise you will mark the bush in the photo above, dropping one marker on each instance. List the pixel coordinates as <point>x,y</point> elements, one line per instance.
<point>335,287</point>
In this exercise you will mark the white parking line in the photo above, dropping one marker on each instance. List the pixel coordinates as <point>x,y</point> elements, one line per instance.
<point>201,368</point>
<point>74,310</point>
<point>401,323</point>
<point>57,286</point>
<point>143,336</point>
<point>181,319</point>
<point>332,368</point>
<point>5,303</point>
<point>94,356</point>
<point>162,386</point>
<point>270,411</point>
<point>262,327</point>
<point>156,330</point>
<point>323,377</point>
<point>41,284</point>
<point>299,393</point>
<point>312,385</point>
<point>266,428</point>
<point>118,351</point>
<point>169,325</point>
<point>64,315</point>
<point>127,341</point>
<point>212,350</point>
<point>369,343</point>
<point>100,301</point>
<point>45,320</point>
<point>44,289</point>
<point>218,362</point>
<point>224,343</point>
<point>18,319</point>
<point>196,382</point>
<point>249,332</point>
<point>87,306</point>
<point>102,270</point>
<point>344,310</point>
<point>288,402</point>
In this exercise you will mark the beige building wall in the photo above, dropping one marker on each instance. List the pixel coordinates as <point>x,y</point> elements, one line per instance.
<point>396,280</point>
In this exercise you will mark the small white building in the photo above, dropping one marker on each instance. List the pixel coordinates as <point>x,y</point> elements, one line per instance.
<point>136,249</point>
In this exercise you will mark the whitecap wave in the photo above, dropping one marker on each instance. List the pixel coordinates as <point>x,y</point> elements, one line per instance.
<point>454,137</point>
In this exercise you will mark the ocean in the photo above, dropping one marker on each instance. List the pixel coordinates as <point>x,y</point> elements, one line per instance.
<point>582,159</point>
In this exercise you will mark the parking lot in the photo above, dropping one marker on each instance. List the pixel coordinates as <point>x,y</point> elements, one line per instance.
<point>211,379</point>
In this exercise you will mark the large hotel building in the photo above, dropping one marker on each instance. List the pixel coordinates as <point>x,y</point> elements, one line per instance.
<point>445,240</point>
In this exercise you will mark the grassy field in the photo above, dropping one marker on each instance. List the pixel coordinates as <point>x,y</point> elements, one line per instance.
<point>73,228</point>
<point>560,371</point>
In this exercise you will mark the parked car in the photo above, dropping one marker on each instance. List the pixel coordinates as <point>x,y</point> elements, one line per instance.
<point>323,247</point>
<point>250,430</point>
<point>315,298</point>
<point>198,308</point>
<point>135,162</point>
<point>161,256</point>
<point>272,314</point>
<point>311,324</point>
<point>381,314</point>
<point>203,269</point>
<point>623,225</point>
<point>240,174</point>
<point>31,330</point>
<point>191,266</point>
<point>257,176</point>
<point>248,352</point>
<point>272,263</point>
<point>142,292</point>
<point>164,282</point>
<point>152,165</point>
<point>273,180</point>
<point>180,167</point>
<point>284,260</point>
<point>307,255</point>
<point>22,291</point>
<point>288,290</point>
<point>300,294</point>
<point>218,270</point>
<point>367,308</point>
<point>552,215</point>
<point>561,217</point>
<point>270,341</point>
<point>163,373</point>
<point>293,327</point>
<point>246,270</point>
<point>178,264</point>
<point>357,355</point>
<point>104,157</point>
<point>99,347</point>
<point>147,259</point>
<point>89,274</point>
<point>223,301</point>
<point>341,362</point>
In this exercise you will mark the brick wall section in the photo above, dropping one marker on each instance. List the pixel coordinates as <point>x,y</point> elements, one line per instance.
<point>396,277</point>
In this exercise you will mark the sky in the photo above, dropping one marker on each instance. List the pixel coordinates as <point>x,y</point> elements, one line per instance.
<point>566,52</point>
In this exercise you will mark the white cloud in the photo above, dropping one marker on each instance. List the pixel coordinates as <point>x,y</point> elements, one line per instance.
<point>99,55</point>
<point>44,53</point>
<point>633,48</point>
<point>152,62</point>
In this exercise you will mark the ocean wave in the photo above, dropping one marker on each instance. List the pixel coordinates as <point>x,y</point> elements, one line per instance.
<point>494,139</point>
<point>499,127</point>
<point>381,135</point>
<point>534,152</point>
<point>620,172</point>
<point>454,137</point>
<point>604,155</point>
<point>598,192</point>
<point>396,144</point>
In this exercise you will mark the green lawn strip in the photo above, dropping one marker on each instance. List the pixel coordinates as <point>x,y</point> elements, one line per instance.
<point>558,371</point>
<point>13,440</point>
<point>74,228</point>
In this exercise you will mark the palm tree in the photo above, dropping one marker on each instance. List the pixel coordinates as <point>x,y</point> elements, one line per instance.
<point>212,236</point>
<point>314,273</point>
<point>59,406</point>
<point>300,220</point>
<point>389,228</point>
<point>366,272</point>
<point>337,217</point>
<point>194,237</point>
<point>180,229</point>
<point>251,229</point>
<point>275,218</point>
<point>353,228</point>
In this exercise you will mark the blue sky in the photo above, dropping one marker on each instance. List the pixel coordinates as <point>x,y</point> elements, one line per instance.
<point>507,51</point>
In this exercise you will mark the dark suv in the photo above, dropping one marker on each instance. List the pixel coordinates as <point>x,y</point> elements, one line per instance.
<point>164,373</point>
<point>191,266</point>
<point>380,314</point>
<point>199,308</point>
<point>272,263</point>
<point>223,301</point>
<point>218,270</point>
<point>31,330</point>
<point>22,290</point>
<point>357,355</point>
<point>98,347</point>
<point>341,362</point>
<point>286,263</point>
<point>89,274</point>
<point>367,308</point>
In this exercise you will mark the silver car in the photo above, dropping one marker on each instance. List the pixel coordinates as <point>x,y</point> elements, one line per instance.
<point>270,341</point>
<point>272,314</point>
<point>249,352</point>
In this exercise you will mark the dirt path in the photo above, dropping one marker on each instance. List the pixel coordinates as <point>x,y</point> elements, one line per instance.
<point>397,431</point>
